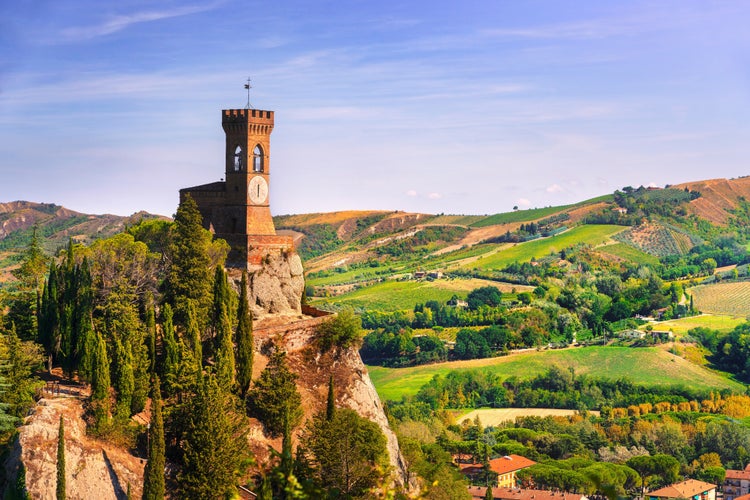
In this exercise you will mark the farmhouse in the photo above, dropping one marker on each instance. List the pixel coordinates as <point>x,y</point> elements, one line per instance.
<point>737,483</point>
<point>505,467</point>
<point>480,492</point>
<point>689,489</point>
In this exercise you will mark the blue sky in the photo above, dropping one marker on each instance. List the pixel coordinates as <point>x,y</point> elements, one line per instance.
<point>457,107</point>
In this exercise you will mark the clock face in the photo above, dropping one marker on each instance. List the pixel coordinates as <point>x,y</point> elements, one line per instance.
<point>257,190</point>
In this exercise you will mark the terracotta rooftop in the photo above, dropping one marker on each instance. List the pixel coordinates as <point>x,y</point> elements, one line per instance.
<point>503,465</point>
<point>684,489</point>
<point>478,492</point>
<point>738,474</point>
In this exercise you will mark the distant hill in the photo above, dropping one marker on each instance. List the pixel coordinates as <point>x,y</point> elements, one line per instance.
<point>55,225</point>
<point>718,196</point>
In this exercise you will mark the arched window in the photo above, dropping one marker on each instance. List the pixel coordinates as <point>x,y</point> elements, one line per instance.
<point>257,159</point>
<point>237,159</point>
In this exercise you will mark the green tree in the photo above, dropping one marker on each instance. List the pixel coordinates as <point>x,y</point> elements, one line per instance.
<point>349,452</point>
<point>124,381</point>
<point>21,359</point>
<point>189,275</point>
<point>244,338</point>
<point>153,482</point>
<point>171,359</point>
<point>214,444</point>
<point>225,365</point>
<point>100,383</point>
<point>61,462</point>
<point>193,334</point>
<point>342,331</point>
<point>275,392</point>
<point>331,401</point>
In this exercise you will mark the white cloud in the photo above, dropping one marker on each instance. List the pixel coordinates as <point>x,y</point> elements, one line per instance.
<point>523,202</point>
<point>119,23</point>
<point>554,188</point>
<point>411,192</point>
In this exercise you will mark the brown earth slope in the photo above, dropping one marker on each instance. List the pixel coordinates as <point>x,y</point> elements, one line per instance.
<point>717,197</point>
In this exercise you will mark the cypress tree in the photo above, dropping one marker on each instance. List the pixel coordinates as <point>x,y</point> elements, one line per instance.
<point>61,461</point>
<point>189,276</point>
<point>331,403</point>
<point>171,362</point>
<point>151,334</point>
<point>85,339</point>
<point>153,485</point>
<point>488,494</point>
<point>124,382</point>
<point>193,334</point>
<point>244,341</point>
<point>100,382</point>
<point>225,364</point>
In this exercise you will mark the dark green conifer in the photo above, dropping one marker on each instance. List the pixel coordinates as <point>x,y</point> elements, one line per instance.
<point>171,360</point>
<point>225,365</point>
<point>100,383</point>
<point>124,381</point>
<point>275,392</point>
<point>214,444</point>
<point>193,335</point>
<point>153,481</point>
<point>331,403</point>
<point>244,341</point>
<point>189,276</point>
<point>61,461</point>
<point>151,333</point>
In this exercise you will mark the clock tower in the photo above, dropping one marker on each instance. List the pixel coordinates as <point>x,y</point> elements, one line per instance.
<point>238,209</point>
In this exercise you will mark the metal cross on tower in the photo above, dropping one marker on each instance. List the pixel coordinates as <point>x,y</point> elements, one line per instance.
<point>248,87</point>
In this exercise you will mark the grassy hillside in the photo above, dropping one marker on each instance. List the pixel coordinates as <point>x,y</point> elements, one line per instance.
<point>524,252</point>
<point>652,366</point>
<point>723,298</point>
<point>404,295</point>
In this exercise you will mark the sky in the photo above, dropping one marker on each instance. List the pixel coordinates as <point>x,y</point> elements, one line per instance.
<point>468,107</point>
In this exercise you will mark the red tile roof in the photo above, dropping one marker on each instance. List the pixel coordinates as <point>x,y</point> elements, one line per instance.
<point>478,492</point>
<point>685,489</point>
<point>502,465</point>
<point>738,474</point>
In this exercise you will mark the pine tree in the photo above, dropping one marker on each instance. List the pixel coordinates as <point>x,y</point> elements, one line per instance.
<point>331,403</point>
<point>100,383</point>
<point>214,444</point>
<point>244,337</point>
<point>153,482</point>
<point>61,461</point>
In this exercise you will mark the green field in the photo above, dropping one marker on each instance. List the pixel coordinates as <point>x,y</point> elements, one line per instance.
<point>682,325</point>
<point>723,298</point>
<point>534,213</point>
<point>651,366</point>
<point>629,253</point>
<point>523,252</point>
<point>404,295</point>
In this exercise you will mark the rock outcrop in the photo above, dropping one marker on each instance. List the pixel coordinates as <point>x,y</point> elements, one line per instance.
<point>93,469</point>
<point>276,287</point>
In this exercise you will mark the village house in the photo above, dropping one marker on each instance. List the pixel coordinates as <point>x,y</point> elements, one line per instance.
<point>480,492</point>
<point>688,489</point>
<point>737,483</point>
<point>505,467</point>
